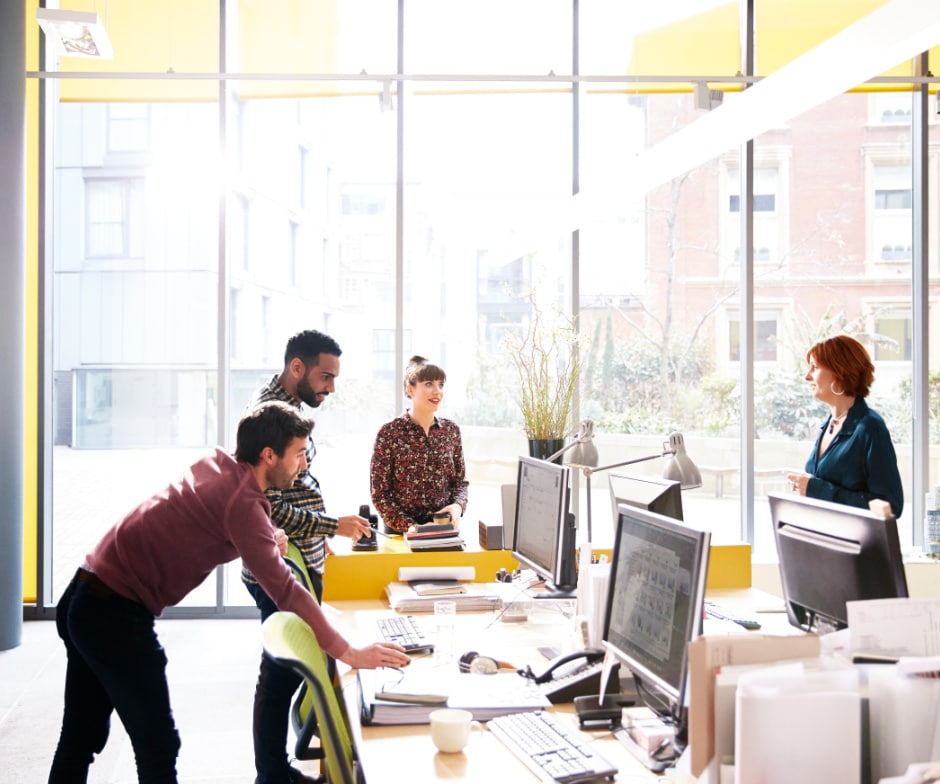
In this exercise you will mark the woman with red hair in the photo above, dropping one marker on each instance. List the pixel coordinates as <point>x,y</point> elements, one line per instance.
<point>853,460</point>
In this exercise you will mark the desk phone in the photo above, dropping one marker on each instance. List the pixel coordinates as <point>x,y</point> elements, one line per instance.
<point>574,675</point>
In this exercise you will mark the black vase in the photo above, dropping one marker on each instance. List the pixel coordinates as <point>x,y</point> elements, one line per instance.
<point>544,448</point>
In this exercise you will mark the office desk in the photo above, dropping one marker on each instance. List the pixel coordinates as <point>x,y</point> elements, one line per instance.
<point>363,575</point>
<point>397,754</point>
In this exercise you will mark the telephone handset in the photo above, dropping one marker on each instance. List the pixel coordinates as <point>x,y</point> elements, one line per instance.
<point>556,667</point>
<point>574,675</point>
<point>367,542</point>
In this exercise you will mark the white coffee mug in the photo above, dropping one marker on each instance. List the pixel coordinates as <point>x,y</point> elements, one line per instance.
<point>450,728</point>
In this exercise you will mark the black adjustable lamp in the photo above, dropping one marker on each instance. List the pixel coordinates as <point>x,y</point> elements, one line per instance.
<point>679,467</point>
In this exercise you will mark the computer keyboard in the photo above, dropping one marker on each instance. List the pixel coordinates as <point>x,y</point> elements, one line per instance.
<point>550,748</point>
<point>406,631</point>
<point>717,611</point>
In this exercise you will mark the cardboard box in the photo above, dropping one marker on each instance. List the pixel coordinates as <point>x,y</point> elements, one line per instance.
<point>491,536</point>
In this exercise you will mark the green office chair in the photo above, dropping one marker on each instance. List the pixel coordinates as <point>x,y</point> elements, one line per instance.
<point>302,715</point>
<point>295,560</point>
<point>290,641</point>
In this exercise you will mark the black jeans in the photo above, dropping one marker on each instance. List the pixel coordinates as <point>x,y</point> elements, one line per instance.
<point>273,694</point>
<point>115,663</point>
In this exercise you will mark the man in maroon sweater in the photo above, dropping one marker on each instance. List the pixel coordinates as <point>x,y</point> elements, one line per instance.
<point>150,560</point>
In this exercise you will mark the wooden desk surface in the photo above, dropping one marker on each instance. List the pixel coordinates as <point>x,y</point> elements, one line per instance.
<point>396,754</point>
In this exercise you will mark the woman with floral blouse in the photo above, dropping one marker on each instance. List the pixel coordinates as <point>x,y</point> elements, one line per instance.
<point>418,467</point>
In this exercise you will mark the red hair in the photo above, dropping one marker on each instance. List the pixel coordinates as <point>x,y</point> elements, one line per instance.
<point>848,361</point>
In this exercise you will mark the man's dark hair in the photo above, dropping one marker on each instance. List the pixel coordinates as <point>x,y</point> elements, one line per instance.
<point>307,347</point>
<point>274,424</point>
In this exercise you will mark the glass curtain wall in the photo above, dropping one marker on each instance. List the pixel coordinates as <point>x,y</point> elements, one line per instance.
<point>450,194</point>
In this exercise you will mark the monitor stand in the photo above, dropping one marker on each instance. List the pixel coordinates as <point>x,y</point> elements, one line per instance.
<point>554,592</point>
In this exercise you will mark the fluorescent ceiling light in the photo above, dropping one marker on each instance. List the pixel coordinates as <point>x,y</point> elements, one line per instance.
<point>75,33</point>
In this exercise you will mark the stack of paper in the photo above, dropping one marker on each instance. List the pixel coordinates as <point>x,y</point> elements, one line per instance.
<point>476,596</point>
<point>437,587</point>
<point>421,691</point>
<point>797,724</point>
<point>434,537</point>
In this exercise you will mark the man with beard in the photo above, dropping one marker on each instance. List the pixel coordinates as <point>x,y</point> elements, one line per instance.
<point>152,558</point>
<point>311,364</point>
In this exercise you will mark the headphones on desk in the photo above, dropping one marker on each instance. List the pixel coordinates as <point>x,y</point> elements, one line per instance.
<point>472,662</point>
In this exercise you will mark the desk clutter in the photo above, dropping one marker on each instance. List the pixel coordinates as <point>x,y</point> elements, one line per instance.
<point>861,704</point>
<point>393,696</point>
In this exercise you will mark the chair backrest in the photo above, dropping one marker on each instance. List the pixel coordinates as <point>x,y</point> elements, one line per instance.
<point>290,641</point>
<point>295,560</point>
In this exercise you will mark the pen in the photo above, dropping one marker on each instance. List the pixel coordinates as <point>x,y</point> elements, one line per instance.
<point>380,533</point>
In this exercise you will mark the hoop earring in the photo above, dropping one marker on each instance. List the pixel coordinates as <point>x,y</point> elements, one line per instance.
<point>832,388</point>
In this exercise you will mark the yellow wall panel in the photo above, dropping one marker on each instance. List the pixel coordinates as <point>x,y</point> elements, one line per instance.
<point>31,406</point>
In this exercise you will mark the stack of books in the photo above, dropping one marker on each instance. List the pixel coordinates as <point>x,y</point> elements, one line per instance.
<point>434,537</point>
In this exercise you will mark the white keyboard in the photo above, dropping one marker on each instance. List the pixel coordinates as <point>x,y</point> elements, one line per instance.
<point>405,630</point>
<point>550,748</point>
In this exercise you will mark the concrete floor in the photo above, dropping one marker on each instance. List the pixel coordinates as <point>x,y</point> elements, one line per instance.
<point>213,665</point>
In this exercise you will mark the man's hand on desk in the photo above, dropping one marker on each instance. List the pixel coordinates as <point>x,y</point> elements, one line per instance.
<point>379,654</point>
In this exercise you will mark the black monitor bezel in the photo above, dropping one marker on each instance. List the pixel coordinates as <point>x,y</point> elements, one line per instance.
<point>667,502</point>
<point>561,574</point>
<point>675,693</point>
<point>841,540</point>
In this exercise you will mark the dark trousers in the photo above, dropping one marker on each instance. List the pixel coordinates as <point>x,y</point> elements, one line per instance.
<point>115,663</point>
<point>273,694</point>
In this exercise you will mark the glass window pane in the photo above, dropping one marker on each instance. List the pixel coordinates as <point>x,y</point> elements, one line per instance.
<point>134,319</point>
<point>531,36</point>
<point>830,283</point>
<point>654,296</point>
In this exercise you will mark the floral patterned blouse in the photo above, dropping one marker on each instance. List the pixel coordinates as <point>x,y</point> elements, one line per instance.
<point>414,474</point>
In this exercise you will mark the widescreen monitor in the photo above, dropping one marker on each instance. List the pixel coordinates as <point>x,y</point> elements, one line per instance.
<point>662,496</point>
<point>655,605</point>
<point>544,537</point>
<point>831,554</point>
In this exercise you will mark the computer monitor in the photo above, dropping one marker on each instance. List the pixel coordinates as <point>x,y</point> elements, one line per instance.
<point>831,554</point>
<point>544,537</point>
<point>663,496</point>
<point>655,606</point>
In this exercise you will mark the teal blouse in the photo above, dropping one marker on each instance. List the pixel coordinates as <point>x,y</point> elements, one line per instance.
<point>859,465</point>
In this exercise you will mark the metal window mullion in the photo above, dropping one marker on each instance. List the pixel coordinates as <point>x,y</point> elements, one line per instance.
<point>746,16</point>
<point>920,420</point>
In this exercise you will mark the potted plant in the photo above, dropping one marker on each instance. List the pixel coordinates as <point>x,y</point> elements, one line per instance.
<point>548,364</point>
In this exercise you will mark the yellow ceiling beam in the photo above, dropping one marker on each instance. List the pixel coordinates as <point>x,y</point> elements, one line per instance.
<point>709,43</point>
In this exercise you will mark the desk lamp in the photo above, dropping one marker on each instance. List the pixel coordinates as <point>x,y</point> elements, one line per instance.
<point>679,467</point>
<point>585,451</point>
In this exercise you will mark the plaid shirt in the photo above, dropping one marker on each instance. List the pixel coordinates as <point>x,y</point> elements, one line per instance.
<point>300,510</point>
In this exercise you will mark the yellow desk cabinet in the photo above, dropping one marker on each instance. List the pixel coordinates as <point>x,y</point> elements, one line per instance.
<point>363,575</point>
